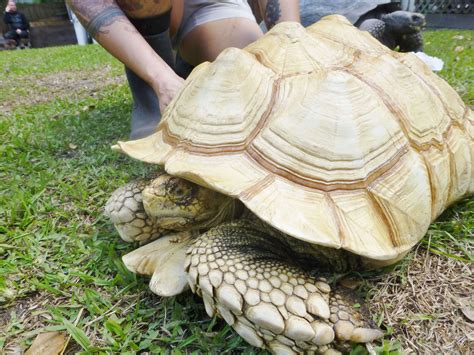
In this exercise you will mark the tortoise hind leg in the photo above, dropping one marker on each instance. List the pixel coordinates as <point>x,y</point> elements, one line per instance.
<point>246,276</point>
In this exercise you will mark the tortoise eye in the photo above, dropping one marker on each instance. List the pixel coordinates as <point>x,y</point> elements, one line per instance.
<point>416,18</point>
<point>179,191</point>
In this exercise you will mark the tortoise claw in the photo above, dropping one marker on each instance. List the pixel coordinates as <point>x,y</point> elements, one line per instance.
<point>365,335</point>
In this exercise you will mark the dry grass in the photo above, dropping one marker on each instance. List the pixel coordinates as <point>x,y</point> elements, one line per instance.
<point>41,88</point>
<point>423,304</point>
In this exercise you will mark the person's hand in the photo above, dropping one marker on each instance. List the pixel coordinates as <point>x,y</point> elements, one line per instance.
<point>167,88</point>
<point>18,31</point>
<point>7,9</point>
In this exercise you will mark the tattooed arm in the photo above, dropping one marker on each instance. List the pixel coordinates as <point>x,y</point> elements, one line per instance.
<point>107,23</point>
<point>275,11</point>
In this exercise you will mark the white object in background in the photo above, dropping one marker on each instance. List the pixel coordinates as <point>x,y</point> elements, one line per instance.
<point>81,33</point>
<point>435,63</point>
<point>408,5</point>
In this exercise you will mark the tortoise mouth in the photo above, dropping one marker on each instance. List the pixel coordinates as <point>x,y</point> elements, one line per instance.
<point>419,27</point>
<point>173,223</point>
<point>173,220</point>
<point>418,22</point>
<point>169,218</point>
<point>166,214</point>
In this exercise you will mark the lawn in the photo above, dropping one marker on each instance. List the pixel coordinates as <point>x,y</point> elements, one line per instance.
<point>60,259</point>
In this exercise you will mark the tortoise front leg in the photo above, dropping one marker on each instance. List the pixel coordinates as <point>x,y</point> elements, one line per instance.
<point>247,277</point>
<point>378,29</point>
<point>163,260</point>
<point>126,211</point>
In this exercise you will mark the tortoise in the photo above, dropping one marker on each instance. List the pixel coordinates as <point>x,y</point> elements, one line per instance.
<point>287,162</point>
<point>383,19</point>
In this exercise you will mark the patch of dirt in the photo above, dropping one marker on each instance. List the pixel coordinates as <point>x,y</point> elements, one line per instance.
<point>29,312</point>
<point>30,90</point>
<point>30,316</point>
<point>424,304</point>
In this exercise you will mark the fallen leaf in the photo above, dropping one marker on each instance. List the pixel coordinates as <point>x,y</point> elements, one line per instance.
<point>466,305</point>
<point>72,146</point>
<point>50,343</point>
<point>459,49</point>
<point>458,37</point>
<point>468,312</point>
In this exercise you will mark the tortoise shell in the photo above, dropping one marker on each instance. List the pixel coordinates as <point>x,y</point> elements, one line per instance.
<point>323,133</point>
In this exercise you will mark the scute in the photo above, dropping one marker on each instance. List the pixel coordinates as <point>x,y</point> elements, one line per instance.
<point>323,133</point>
<point>347,36</point>
<point>241,95</point>
<point>353,133</point>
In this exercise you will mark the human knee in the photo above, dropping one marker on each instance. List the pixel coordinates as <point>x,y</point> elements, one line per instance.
<point>10,35</point>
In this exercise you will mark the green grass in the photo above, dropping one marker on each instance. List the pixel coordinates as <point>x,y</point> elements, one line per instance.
<point>60,266</point>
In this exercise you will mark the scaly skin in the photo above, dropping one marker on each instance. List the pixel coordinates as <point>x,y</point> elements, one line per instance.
<point>253,276</point>
<point>178,204</point>
<point>143,210</point>
<point>400,29</point>
<point>253,281</point>
<point>126,211</point>
<point>405,28</point>
<point>411,42</point>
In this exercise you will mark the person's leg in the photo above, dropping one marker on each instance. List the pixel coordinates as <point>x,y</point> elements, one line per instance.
<point>24,36</point>
<point>206,41</point>
<point>12,37</point>
<point>209,27</point>
<point>146,111</point>
<point>182,67</point>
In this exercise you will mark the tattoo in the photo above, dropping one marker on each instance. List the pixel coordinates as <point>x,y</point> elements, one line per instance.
<point>96,15</point>
<point>272,12</point>
<point>130,5</point>
<point>103,19</point>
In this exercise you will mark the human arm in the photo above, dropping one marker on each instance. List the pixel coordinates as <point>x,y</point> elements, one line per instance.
<point>108,24</point>
<point>26,23</point>
<point>275,11</point>
<point>6,16</point>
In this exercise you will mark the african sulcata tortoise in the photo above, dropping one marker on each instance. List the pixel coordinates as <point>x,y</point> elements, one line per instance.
<point>383,19</point>
<point>311,151</point>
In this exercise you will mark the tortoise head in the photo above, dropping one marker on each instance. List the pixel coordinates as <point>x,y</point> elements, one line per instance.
<point>178,204</point>
<point>404,22</point>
